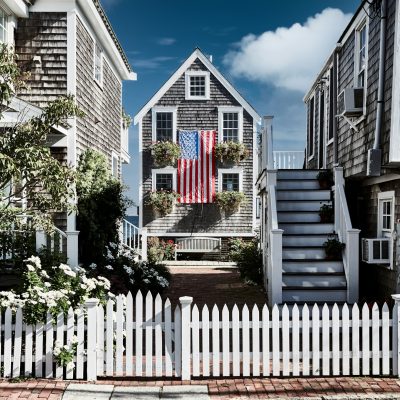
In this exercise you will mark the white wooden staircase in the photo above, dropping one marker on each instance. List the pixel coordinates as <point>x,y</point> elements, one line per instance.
<point>306,275</point>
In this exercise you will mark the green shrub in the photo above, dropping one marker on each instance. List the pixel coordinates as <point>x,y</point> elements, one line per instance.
<point>162,201</point>
<point>248,256</point>
<point>159,250</point>
<point>231,152</point>
<point>165,153</point>
<point>229,201</point>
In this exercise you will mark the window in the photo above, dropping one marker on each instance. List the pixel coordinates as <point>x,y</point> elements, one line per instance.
<point>311,128</point>
<point>361,55</point>
<point>230,124</point>
<point>114,165</point>
<point>98,63</point>
<point>197,85</point>
<point>164,124</point>
<point>3,26</point>
<point>164,179</point>
<point>230,179</point>
<point>385,214</point>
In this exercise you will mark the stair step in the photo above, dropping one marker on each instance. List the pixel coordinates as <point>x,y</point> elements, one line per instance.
<point>303,240</point>
<point>290,174</point>
<point>302,205</point>
<point>306,184</point>
<point>312,266</point>
<point>302,216</point>
<point>299,253</point>
<point>335,295</point>
<point>314,281</point>
<point>321,195</point>
<point>306,228</point>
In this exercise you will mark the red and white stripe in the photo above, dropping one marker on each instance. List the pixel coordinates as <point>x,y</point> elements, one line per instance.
<point>196,178</point>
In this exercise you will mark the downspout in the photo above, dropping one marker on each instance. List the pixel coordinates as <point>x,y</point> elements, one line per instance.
<point>374,161</point>
<point>334,104</point>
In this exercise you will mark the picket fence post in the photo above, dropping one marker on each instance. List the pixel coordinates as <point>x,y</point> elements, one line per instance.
<point>396,335</point>
<point>185,301</point>
<point>91,350</point>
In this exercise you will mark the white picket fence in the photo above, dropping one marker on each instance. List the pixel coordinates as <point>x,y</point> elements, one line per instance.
<point>145,337</point>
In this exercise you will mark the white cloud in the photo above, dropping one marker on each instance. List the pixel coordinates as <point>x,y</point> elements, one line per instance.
<point>152,63</point>
<point>167,41</point>
<point>288,57</point>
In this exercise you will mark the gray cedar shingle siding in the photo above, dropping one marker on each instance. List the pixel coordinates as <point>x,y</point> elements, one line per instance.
<point>100,129</point>
<point>44,35</point>
<point>199,115</point>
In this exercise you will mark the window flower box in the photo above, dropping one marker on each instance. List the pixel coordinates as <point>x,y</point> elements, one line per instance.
<point>231,152</point>
<point>165,153</point>
<point>162,201</point>
<point>229,201</point>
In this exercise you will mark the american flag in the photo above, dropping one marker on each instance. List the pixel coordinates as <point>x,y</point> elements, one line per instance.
<point>196,167</point>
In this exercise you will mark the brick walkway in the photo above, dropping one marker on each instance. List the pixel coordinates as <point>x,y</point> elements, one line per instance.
<point>340,387</point>
<point>213,286</point>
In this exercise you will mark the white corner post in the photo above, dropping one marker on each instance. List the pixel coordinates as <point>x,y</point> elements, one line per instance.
<point>143,234</point>
<point>185,336</point>
<point>267,143</point>
<point>91,350</point>
<point>352,244</point>
<point>338,181</point>
<point>40,239</point>
<point>72,248</point>
<point>396,335</point>
<point>275,267</point>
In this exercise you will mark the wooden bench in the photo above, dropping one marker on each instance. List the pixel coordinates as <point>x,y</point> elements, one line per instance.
<point>198,245</point>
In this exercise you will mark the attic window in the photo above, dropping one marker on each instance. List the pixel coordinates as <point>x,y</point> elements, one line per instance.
<point>197,85</point>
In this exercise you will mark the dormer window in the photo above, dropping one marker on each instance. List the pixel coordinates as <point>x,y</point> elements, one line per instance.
<point>197,85</point>
<point>3,26</point>
<point>98,64</point>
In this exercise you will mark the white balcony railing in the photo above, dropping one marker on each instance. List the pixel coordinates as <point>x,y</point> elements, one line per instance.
<point>288,159</point>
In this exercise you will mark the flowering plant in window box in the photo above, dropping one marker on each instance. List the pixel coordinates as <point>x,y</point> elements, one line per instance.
<point>165,153</point>
<point>231,152</point>
<point>162,201</point>
<point>229,201</point>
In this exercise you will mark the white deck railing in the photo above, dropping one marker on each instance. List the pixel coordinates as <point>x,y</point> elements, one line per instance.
<point>348,236</point>
<point>130,235</point>
<point>288,159</point>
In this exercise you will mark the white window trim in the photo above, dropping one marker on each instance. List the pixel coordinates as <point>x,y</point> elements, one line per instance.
<point>99,82</point>
<point>188,74</point>
<point>382,196</point>
<point>236,170</point>
<point>114,156</point>
<point>166,170</point>
<point>364,22</point>
<point>230,109</point>
<point>160,109</point>
<point>312,145</point>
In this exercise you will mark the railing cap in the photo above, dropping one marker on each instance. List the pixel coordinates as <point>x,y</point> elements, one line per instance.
<point>186,300</point>
<point>396,298</point>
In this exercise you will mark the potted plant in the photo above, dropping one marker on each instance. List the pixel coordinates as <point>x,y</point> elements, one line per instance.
<point>326,213</point>
<point>162,201</point>
<point>229,201</point>
<point>165,153</point>
<point>231,152</point>
<point>325,179</point>
<point>333,248</point>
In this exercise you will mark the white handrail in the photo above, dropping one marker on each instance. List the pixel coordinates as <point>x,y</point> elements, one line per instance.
<point>130,235</point>
<point>347,235</point>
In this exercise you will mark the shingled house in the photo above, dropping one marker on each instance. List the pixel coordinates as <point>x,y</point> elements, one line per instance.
<point>353,122</point>
<point>197,108</point>
<point>69,47</point>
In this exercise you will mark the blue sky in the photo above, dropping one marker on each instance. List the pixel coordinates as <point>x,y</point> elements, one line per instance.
<point>269,50</point>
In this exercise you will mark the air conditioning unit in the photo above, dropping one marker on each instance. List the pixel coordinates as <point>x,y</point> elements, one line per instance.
<point>351,102</point>
<point>376,251</point>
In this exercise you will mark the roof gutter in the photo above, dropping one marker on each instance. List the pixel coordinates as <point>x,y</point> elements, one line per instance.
<point>374,159</point>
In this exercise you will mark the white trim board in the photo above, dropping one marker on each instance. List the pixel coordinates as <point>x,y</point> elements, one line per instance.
<point>197,54</point>
<point>202,234</point>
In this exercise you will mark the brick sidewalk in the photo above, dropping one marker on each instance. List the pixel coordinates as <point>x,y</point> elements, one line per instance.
<point>229,388</point>
<point>213,286</point>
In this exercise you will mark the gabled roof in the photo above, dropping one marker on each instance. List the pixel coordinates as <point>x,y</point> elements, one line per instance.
<point>197,54</point>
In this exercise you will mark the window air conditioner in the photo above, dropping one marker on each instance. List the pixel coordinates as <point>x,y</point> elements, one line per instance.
<point>376,251</point>
<point>351,102</point>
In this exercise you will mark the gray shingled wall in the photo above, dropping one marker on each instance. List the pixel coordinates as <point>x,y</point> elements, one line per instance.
<point>199,115</point>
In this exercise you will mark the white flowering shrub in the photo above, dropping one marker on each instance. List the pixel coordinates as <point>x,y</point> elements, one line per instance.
<point>64,354</point>
<point>53,291</point>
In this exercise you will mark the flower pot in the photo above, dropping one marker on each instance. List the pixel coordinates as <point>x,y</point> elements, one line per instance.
<point>324,184</point>
<point>325,219</point>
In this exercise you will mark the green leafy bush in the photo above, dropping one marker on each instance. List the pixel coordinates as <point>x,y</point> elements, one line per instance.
<point>326,213</point>
<point>230,201</point>
<point>165,153</point>
<point>231,152</point>
<point>162,201</point>
<point>248,256</point>
<point>333,248</point>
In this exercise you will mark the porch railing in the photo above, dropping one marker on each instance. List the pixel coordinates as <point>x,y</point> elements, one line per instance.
<point>288,159</point>
<point>130,235</point>
<point>348,236</point>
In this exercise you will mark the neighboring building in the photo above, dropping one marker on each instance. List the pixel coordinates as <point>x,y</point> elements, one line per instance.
<point>354,122</point>
<point>69,47</point>
<point>198,98</point>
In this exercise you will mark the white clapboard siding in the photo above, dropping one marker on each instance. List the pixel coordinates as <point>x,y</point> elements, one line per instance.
<point>142,335</point>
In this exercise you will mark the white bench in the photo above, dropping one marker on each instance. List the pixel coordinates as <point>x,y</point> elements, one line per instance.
<point>198,245</point>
